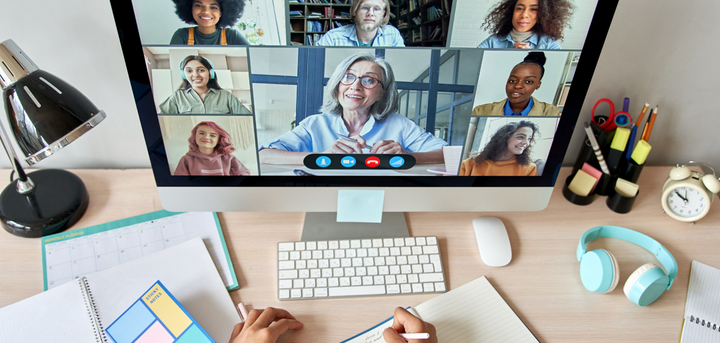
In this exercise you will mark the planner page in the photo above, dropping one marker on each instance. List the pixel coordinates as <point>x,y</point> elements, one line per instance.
<point>702,309</point>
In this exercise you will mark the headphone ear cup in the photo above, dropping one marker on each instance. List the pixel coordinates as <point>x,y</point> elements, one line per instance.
<point>212,73</point>
<point>646,284</point>
<point>679,173</point>
<point>599,271</point>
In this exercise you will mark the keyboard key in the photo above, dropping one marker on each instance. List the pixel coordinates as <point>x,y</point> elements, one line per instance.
<point>340,253</point>
<point>296,293</point>
<point>366,243</point>
<point>345,262</point>
<point>307,292</point>
<point>333,282</point>
<point>285,284</point>
<point>387,242</point>
<point>379,280</point>
<point>406,288</point>
<point>344,281</point>
<point>432,240</point>
<point>377,243</point>
<point>424,259</point>
<point>355,243</point>
<point>434,277</point>
<point>312,264</point>
<point>394,270</point>
<point>409,241</point>
<point>322,245</point>
<point>356,281</point>
<point>428,268</point>
<point>435,260</point>
<point>321,292</point>
<point>406,251</point>
<point>310,283</point>
<point>306,254</point>
<point>406,269</point>
<point>286,265</point>
<point>356,290</point>
<point>334,263</point>
<point>399,242</point>
<point>299,245</point>
<point>390,279</point>
<point>394,251</point>
<point>362,252</point>
<point>321,282</point>
<point>402,260</point>
<point>284,294</point>
<point>288,274</point>
<point>345,244</point>
<point>286,246</point>
<point>360,271</point>
<point>430,249</point>
<point>417,250</point>
<point>367,280</point>
<point>324,263</point>
<point>304,273</point>
<point>421,240</point>
<point>383,270</point>
<point>283,256</point>
<point>393,289</point>
<point>294,255</point>
<point>337,272</point>
<point>428,287</point>
<point>315,273</point>
<point>349,271</point>
<point>413,278</point>
<point>326,272</point>
<point>439,287</point>
<point>317,254</point>
<point>311,245</point>
<point>379,261</point>
<point>350,253</point>
<point>390,260</point>
<point>401,278</point>
<point>300,264</point>
<point>417,288</point>
<point>333,245</point>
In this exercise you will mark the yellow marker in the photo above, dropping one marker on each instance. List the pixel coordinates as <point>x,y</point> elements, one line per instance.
<point>641,152</point>
<point>620,139</point>
<point>582,183</point>
<point>626,188</point>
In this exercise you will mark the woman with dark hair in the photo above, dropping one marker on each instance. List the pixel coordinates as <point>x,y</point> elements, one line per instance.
<point>525,78</point>
<point>199,92</point>
<point>507,153</point>
<point>212,19</point>
<point>210,153</point>
<point>359,112</point>
<point>527,24</point>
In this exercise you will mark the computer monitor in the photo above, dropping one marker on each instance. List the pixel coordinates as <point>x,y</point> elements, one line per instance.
<point>434,137</point>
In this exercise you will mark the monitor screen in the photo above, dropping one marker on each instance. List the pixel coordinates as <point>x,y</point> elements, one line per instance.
<point>276,105</point>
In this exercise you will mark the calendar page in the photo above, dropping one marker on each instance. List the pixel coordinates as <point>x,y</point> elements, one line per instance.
<point>73,254</point>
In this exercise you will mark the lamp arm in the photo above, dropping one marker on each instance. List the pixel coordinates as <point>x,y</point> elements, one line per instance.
<point>24,184</point>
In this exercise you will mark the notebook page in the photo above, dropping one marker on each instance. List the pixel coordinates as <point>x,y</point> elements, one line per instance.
<point>58,315</point>
<point>474,312</point>
<point>186,269</point>
<point>703,305</point>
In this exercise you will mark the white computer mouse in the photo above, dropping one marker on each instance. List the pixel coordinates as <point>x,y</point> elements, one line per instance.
<point>493,241</point>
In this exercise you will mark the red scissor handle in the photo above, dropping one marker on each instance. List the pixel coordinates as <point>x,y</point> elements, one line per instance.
<point>609,122</point>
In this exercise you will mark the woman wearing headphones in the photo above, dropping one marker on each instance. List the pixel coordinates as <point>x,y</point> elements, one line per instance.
<point>200,93</point>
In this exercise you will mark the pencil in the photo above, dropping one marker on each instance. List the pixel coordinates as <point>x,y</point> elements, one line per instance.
<point>642,114</point>
<point>651,119</point>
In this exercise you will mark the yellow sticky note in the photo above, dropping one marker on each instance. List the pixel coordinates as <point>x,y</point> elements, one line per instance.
<point>626,188</point>
<point>165,308</point>
<point>620,139</point>
<point>641,152</point>
<point>582,183</point>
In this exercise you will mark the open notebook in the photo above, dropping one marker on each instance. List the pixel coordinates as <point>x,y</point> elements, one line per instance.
<point>474,312</point>
<point>702,308</point>
<point>78,311</point>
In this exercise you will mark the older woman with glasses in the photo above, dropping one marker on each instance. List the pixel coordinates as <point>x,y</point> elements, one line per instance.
<point>358,116</point>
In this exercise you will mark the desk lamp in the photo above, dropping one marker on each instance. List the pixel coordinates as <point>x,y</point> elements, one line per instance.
<point>45,114</point>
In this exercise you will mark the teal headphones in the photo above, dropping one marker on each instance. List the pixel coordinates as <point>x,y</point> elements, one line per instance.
<point>212,67</point>
<point>599,269</point>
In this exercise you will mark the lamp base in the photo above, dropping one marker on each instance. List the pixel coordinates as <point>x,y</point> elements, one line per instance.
<point>58,201</point>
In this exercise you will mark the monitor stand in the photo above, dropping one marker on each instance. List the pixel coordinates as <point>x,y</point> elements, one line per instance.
<point>323,226</point>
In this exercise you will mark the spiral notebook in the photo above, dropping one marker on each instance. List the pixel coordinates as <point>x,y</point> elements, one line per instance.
<point>78,311</point>
<point>702,308</point>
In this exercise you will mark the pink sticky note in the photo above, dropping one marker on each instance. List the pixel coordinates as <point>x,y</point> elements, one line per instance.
<point>155,334</point>
<point>593,172</point>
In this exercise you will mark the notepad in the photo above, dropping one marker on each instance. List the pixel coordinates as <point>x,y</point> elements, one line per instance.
<point>474,312</point>
<point>702,308</point>
<point>73,254</point>
<point>78,311</point>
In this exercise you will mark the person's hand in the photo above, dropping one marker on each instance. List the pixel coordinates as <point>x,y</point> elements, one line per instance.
<point>344,146</point>
<point>521,45</point>
<point>387,147</point>
<point>405,322</point>
<point>257,328</point>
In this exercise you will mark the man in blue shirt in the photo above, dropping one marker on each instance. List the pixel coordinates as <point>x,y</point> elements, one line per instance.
<point>370,28</point>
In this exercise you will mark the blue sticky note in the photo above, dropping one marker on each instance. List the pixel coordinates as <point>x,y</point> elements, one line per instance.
<point>360,206</point>
<point>131,324</point>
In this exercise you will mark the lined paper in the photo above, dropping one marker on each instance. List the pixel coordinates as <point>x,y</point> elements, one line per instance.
<point>474,312</point>
<point>702,308</point>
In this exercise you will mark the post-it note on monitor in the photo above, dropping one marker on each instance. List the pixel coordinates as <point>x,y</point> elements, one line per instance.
<point>360,206</point>
<point>582,183</point>
<point>626,188</point>
<point>159,318</point>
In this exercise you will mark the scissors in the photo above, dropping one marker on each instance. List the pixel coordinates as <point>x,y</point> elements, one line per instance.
<point>615,119</point>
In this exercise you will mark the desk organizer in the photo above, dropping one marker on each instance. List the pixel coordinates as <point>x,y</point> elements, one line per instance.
<point>627,169</point>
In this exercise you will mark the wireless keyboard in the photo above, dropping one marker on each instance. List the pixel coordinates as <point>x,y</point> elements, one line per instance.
<point>359,267</point>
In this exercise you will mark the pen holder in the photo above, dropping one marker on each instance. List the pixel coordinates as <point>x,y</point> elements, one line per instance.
<point>620,203</point>
<point>574,198</point>
<point>629,170</point>
<point>606,185</point>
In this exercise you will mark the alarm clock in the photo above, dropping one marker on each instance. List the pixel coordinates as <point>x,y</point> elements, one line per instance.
<point>687,194</point>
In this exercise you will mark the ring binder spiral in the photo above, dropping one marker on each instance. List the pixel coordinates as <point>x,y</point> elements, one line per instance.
<point>702,307</point>
<point>92,310</point>
<point>703,323</point>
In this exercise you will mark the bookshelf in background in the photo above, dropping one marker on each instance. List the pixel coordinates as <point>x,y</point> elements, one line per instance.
<point>424,22</point>
<point>310,19</point>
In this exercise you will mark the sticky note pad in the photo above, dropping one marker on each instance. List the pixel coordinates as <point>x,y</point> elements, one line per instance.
<point>626,188</point>
<point>593,172</point>
<point>166,310</point>
<point>620,139</point>
<point>360,206</point>
<point>582,183</point>
<point>641,152</point>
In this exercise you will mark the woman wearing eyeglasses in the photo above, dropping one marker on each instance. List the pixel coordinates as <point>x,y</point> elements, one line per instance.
<point>358,116</point>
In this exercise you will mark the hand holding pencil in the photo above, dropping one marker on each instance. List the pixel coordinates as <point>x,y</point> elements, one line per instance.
<point>405,323</point>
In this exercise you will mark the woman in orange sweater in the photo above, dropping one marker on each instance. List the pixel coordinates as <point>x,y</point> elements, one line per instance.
<point>507,153</point>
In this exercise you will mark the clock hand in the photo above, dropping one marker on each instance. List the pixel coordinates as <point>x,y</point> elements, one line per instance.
<point>681,197</point>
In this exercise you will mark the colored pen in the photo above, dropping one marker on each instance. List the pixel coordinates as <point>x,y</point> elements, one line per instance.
<point>651,118</point>
<point>407,336</point>
<point>631,142</point>
<point>617,147</point>
<point>243,311</point>
<point>596,148</point>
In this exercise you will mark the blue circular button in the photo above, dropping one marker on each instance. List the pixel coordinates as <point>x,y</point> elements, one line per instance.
<point>348,161</point>
<point>323,161</point>
<point>397,162</point>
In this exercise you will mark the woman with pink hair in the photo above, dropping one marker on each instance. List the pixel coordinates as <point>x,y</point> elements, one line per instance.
<point>210,153</point>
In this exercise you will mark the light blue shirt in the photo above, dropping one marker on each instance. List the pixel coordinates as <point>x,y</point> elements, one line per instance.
<point>536,42</point>
<point>509,112</point>
<point>347,36</point>
<point>319,132</point>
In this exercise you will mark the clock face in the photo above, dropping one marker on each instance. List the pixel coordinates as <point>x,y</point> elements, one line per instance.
<point>686,202</point>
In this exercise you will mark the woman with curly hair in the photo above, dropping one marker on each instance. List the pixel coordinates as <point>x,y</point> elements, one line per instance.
<point>507,153</point>
<point>210,153</point>
<point>527,24</point>
<point>212,17</point>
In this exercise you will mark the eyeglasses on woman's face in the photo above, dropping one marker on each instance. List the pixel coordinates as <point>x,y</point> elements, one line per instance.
<point>368,82</point>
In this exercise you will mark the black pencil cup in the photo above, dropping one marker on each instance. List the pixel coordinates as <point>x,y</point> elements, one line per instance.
<point>574,198</point>
<point>629,170</point>
<point>620,203</point>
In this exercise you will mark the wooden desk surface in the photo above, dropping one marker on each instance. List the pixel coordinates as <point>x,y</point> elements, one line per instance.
<point>541,284</point>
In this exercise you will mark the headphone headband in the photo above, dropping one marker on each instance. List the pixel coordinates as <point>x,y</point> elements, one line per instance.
<point>637,238</point>
<point>212,67</point>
